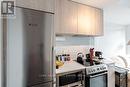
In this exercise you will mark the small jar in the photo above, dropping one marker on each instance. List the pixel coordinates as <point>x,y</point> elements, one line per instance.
<point>68,57</point>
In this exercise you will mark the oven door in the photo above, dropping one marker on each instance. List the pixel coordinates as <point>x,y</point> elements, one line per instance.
<point>97,80</point>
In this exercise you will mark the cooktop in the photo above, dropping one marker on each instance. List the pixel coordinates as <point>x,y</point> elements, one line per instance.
<point>86,62</point>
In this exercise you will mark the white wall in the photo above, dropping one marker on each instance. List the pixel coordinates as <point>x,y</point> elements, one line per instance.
<point>127,39</point>
<point>113,42</point>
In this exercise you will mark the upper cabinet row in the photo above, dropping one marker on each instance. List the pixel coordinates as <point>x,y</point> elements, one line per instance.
<point>43,5</point>
<point>70,18</point>
<point>77,19</point>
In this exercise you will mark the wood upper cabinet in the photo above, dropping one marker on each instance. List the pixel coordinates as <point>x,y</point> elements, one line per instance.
<point>99,22</point>
<point>90,20</point>
<point>66,17</point>
<point>77,19</point>
<point>43,5</point>
<point>86,17</point>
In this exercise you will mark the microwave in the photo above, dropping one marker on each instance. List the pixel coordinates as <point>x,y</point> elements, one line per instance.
<point>75,79</point>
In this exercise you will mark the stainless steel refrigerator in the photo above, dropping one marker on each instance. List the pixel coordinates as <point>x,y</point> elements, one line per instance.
<point>29,49</point>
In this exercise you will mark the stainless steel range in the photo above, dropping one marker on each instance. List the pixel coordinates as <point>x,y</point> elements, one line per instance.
<point>96,75</point>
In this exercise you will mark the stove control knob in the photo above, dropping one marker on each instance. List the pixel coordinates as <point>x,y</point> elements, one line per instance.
<point>104,67</point>
<point>98,69</point>
<point>101,68</point>
<point>89,71</point>
<point>94,70</point>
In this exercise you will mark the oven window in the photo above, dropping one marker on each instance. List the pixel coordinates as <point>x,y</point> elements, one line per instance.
<point>98,81</point>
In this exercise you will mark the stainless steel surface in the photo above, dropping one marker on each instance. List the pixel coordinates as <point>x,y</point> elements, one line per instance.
<point>79,83</point>
<point>49,84</point>
<point>92,76</point>
<point>96,69</point>
<point>4,53</point>
<point>38,42</point>
<point>30,48</point>
<point>100,81</point>
<point>97,75</point>
<point>76,84</point>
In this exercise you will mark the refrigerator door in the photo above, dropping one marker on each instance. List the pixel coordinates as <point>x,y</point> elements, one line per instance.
<point>38,34</point>
<point>44,85</point>
<point>29,48</point>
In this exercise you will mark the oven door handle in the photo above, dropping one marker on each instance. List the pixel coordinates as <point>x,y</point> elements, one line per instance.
<point>98,75</point>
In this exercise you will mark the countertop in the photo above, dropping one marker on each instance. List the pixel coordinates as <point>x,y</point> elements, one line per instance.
<point>69,67</point>
<point>107,61</point>
<point>72,66</point>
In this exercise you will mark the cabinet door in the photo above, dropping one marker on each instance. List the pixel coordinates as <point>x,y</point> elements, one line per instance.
<point>86,21</point>
<point>67,17</point>
<point>98,22</point>
<point>90,20</point>
<point>44,5</point>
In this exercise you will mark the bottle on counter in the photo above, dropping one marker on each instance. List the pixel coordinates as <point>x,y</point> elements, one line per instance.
<point>91,55</point>
<point>59,61</point>
<point>68,57</point>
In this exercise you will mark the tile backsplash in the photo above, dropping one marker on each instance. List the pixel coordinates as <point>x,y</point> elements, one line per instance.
<point>73,45</point>
<point>72,50</point>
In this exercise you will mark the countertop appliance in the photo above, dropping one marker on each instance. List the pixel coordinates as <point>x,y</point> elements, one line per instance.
<point>75,79</point>
<point>71,74</point>
<point>30,47</point>
<point>80,58</point>
<point>96,74</point>
<point>98,54</point>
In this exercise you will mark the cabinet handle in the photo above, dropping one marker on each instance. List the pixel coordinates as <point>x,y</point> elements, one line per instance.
<point>76,85</point>
<point>98,75</point>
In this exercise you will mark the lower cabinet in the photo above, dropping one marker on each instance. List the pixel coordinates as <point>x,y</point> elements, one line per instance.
<point>111,75</point>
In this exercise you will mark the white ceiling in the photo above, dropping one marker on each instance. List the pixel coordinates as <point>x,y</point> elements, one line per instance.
<point>115,11</point>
